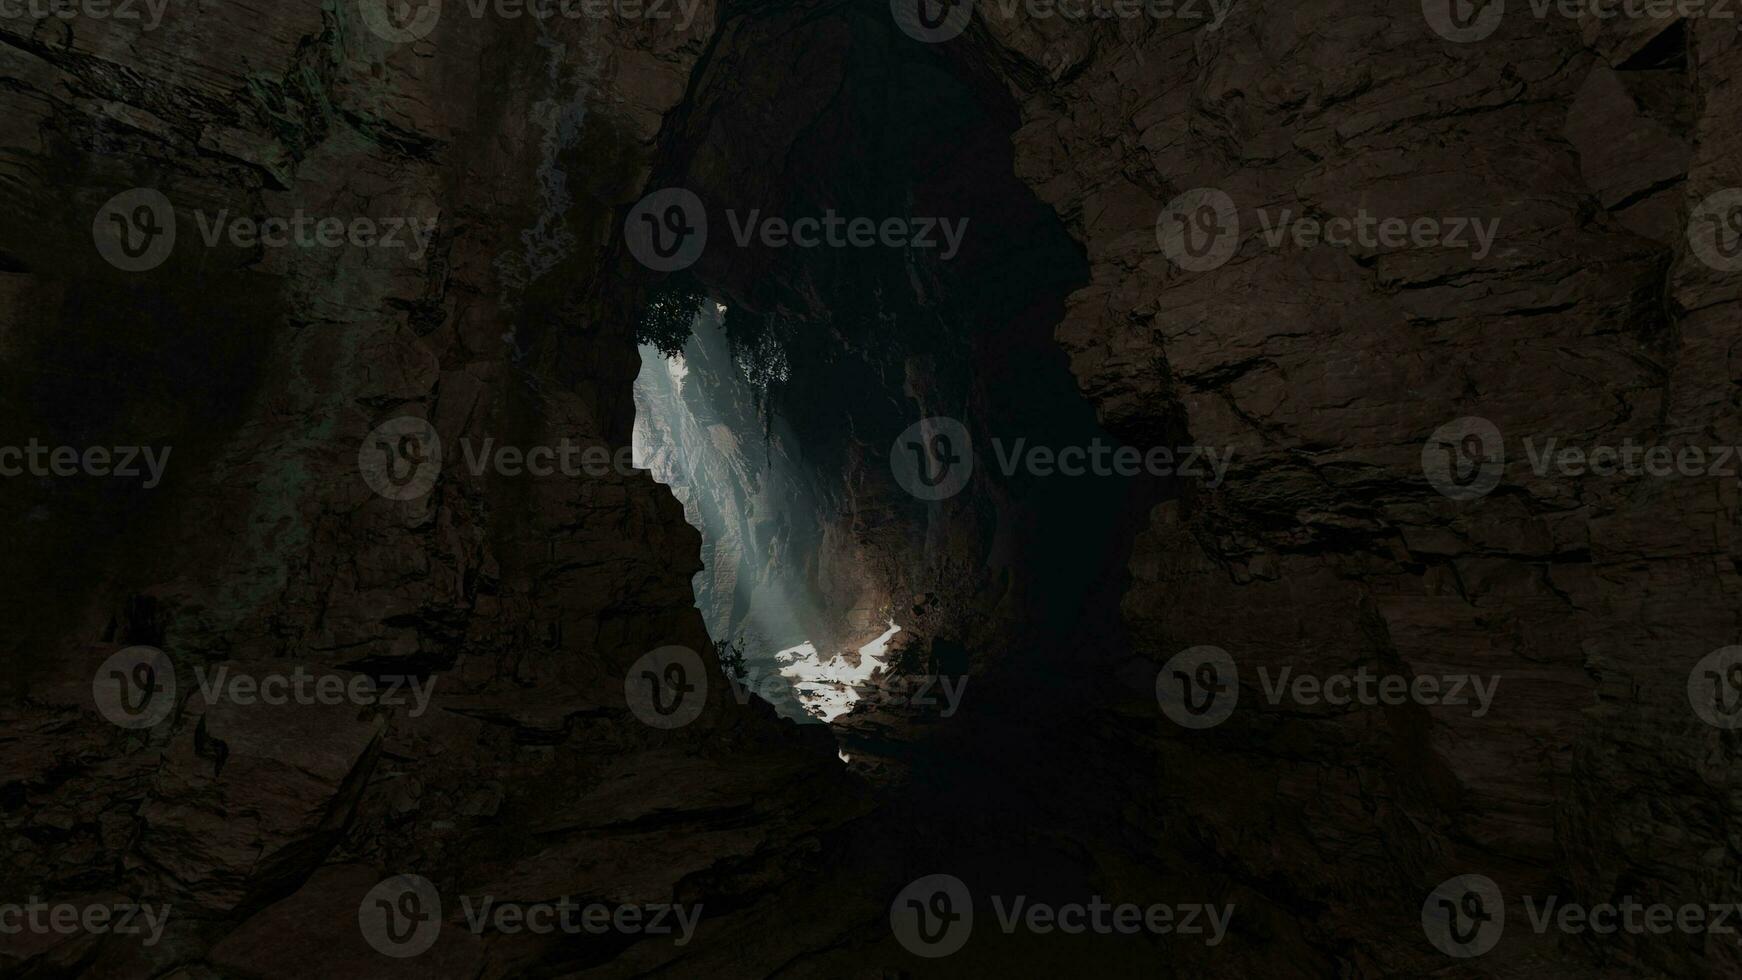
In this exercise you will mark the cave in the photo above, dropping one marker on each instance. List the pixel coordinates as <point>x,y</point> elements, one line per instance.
<point>793,488</point>
<point>789,373</point>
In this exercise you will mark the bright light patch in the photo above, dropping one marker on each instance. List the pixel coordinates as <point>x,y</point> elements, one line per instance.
<point>828,690</point>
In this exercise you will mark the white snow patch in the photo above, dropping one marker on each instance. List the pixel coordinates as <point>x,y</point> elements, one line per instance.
<point>828,690</point>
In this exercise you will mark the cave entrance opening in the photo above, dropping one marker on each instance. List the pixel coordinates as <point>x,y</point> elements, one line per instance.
<point>780,375</point>
<point>763,591</point>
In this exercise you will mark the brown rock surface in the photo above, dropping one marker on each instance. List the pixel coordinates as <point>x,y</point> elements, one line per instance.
<point>526,601</point>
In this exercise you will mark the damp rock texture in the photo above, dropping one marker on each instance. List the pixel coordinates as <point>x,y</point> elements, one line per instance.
<point>351,287</point>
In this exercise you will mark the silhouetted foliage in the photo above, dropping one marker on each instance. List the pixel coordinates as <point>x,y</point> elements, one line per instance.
<point>731,654</point>
<point>671,311</point>
<point>759,348</point>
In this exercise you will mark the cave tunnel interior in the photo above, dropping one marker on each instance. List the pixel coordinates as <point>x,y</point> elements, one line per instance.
<point>776,380</point>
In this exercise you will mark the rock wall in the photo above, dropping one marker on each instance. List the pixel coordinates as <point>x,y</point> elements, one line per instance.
<point>522,605</point>
<point>519,603</point>
<point>1589,141</point>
